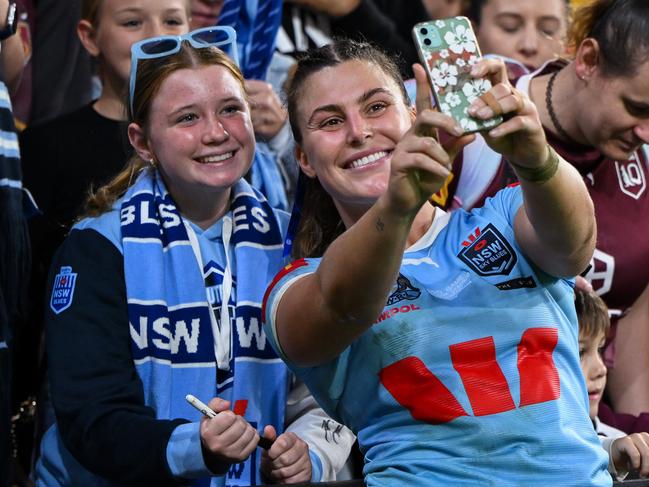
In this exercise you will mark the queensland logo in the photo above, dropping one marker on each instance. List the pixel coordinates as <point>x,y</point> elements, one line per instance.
<point>488,253</point>
<point>631,178</point>
<point>404,290</point>
<point>63,290</point>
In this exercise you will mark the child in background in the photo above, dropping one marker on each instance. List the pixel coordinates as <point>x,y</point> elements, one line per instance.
<point>624,451</point>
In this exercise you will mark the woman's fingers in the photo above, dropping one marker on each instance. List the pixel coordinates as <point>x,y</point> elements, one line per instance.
<point>431,149</point>
<point>455,145</point>
<point>288,460</point>
<point>500,100</point>
<point>493,69</point>
<point>229,435</point>
<point>428,121</point>
<point>423,101</point>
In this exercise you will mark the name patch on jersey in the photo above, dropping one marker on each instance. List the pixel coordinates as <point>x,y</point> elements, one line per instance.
<point>488,253</point>
<point>63,290</point>
<point>518,283</point>
<point>404,290</point>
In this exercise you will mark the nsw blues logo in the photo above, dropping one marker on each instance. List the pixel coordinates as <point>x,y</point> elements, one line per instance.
<point>488,253</point>
<point>63,290</point>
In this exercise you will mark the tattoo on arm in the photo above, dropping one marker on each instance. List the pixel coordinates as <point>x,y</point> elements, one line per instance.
<point>379,224</point>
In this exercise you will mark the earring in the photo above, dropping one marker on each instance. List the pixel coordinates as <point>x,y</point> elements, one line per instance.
<point>152,162</point>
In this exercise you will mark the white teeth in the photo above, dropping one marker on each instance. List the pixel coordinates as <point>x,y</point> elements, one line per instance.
<point>219,158</point>
<point>368,159</point>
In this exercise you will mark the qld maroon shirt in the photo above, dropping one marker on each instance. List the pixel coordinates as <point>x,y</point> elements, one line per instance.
<point>619,191</point>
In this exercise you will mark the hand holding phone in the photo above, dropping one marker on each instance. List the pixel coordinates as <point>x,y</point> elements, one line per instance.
<point>448,49</point>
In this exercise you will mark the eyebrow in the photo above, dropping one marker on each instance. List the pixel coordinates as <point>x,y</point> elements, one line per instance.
<point>192,106</point>
<point>332,107</point>
<point>520,16</point>
<point>140,9</point>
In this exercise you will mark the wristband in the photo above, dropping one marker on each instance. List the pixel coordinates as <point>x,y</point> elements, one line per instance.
<point>539,174</point>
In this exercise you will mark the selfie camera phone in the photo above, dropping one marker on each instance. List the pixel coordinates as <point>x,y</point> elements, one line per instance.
<point>448,49</point>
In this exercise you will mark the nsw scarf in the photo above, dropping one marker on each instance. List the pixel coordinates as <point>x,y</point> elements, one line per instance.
<point>177,341</point>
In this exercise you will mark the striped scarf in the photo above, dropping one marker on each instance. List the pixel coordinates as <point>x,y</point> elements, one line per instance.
<point>14,238</point>
<point>177,341</point>
<point>256,23</point>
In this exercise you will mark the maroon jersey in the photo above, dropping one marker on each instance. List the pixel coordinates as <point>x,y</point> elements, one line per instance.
<point>620,265</point>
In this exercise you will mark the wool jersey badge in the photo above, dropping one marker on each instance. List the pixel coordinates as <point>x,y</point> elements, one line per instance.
<point>63,290</point>
<point>488,253</point>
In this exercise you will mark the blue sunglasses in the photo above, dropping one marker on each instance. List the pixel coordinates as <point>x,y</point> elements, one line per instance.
<point>223,37</point>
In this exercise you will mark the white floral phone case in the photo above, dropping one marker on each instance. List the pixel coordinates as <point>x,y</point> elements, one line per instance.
<point>447,49</point>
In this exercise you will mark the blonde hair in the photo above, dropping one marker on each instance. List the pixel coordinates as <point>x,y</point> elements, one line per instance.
<point>151,73</point>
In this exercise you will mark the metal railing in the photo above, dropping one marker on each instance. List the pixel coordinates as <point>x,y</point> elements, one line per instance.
<point>359,483</point>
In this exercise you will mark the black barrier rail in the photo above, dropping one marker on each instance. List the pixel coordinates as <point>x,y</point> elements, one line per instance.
<point>359,483</point>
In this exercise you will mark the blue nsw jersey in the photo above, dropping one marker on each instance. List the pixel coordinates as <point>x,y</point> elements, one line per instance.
<point>471,374</point>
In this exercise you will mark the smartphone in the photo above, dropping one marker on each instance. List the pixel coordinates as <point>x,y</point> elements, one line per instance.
<point>448,49</point>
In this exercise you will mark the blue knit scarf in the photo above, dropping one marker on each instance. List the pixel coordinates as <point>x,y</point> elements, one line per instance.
<point>256,23</point>
<point>172,326</point>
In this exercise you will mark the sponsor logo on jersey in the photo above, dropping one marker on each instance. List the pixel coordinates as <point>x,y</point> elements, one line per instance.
<point>631,177</point>
<point>389,313</point>
<point>452,291</point>
<point>63,290</point>
<point>518,283</point>
<point>488,253</point>
<point>404,290</point>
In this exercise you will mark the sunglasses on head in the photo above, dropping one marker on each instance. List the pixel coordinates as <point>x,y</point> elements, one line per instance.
<point>223,37</point>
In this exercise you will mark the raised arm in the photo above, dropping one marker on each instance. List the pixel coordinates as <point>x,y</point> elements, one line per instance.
<point>346,294</point>
<point>556,225</point>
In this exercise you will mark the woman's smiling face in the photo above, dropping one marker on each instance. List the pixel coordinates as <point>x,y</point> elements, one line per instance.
<point>351,116</point>
<point>200,132</point>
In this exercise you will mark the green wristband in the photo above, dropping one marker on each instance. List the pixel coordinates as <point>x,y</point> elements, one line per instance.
<point>539,174</point>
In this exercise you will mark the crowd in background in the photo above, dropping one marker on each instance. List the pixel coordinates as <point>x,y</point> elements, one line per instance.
<point>83,136</point>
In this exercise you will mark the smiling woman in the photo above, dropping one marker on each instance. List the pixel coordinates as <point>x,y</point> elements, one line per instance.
<point>158,294</point>
<point>447,342</point>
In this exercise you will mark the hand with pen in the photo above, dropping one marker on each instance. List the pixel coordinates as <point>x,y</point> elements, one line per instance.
<point>287,461</point>
<point>226,437</point>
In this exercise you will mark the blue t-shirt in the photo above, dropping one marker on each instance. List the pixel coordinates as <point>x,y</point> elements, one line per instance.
<point>471,374</point>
